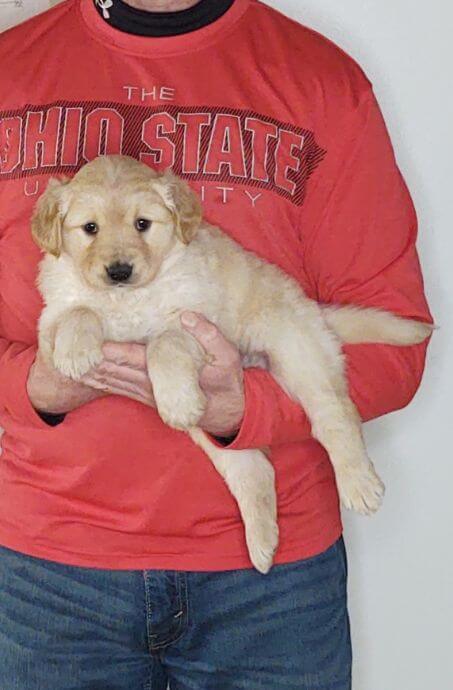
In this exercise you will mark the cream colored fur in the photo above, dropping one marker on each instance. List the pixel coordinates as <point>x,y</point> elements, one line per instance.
<point>183,263</point>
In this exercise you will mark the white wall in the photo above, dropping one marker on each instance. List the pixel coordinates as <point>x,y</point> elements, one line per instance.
<point>401,562</point>
<point>15,11</point>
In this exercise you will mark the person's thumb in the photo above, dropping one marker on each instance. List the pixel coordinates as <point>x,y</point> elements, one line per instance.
<point>207,334</point>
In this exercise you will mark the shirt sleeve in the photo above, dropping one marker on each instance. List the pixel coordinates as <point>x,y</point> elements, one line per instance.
<point>359,230</point>
<point>16,360</point>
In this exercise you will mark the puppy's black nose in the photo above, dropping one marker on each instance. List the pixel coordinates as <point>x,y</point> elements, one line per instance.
<point>119,272</point>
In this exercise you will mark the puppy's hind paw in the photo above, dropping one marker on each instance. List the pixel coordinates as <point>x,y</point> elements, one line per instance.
<point>360,488</point>
<point>262,542</point>
<point>261,532</point>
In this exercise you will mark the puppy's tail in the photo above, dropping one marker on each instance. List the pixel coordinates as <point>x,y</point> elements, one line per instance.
<point>368,325</point>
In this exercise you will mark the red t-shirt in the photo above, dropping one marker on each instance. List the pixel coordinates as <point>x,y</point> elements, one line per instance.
<point>280,133</point>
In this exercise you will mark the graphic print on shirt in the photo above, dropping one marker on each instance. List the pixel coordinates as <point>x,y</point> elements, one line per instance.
<point>206,144</point>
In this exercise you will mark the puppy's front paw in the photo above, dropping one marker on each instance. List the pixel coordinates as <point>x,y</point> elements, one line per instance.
<point>182,405</point>
<point>75,355</point>
<point>360,488</point>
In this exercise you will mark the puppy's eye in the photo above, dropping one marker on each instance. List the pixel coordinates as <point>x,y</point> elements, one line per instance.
<point>142,224</point>
<point>90,228</point>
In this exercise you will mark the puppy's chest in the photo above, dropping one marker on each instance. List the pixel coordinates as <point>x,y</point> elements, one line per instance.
<point>136,317</point>
<point>130,314</point>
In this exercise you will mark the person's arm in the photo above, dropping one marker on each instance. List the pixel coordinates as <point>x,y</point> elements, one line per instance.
<point>359,235</point>
<point>15,361</point>
<point>29,389</point>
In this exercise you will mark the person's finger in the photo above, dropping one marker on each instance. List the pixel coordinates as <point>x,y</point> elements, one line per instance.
<point>140,383</point>
<point>133,395</point>
<point>121,388</point>
<point>128,354</point>
<point>210,338</point>
<point>110,370</point>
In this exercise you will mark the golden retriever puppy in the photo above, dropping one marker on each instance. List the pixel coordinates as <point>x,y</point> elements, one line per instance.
<point>127,251</point>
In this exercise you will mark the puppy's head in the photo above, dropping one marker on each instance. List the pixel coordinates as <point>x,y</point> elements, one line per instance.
<point>117,219</point>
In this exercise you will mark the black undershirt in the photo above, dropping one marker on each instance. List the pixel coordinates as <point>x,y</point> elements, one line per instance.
<point>131,20</point>
<point>142,23</point>
<point>50,418</point>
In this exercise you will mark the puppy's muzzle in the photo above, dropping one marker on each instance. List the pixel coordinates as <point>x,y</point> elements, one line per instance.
<point>119,272</point>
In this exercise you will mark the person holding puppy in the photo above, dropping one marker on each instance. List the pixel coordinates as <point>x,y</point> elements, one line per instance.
<point>122,558</point>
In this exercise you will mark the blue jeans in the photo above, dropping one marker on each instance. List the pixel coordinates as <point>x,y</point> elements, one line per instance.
<point>69,628</point>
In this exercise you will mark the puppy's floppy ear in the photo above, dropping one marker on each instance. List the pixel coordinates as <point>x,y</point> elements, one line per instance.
<point>184,204</point>
<point>47,217</point>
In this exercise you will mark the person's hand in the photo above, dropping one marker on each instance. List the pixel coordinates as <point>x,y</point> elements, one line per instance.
<point>123,371</point>
<point>52,392</point>
<point>221,379</point>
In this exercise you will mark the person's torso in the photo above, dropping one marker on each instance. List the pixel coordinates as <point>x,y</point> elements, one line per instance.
<point>239,109</point>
